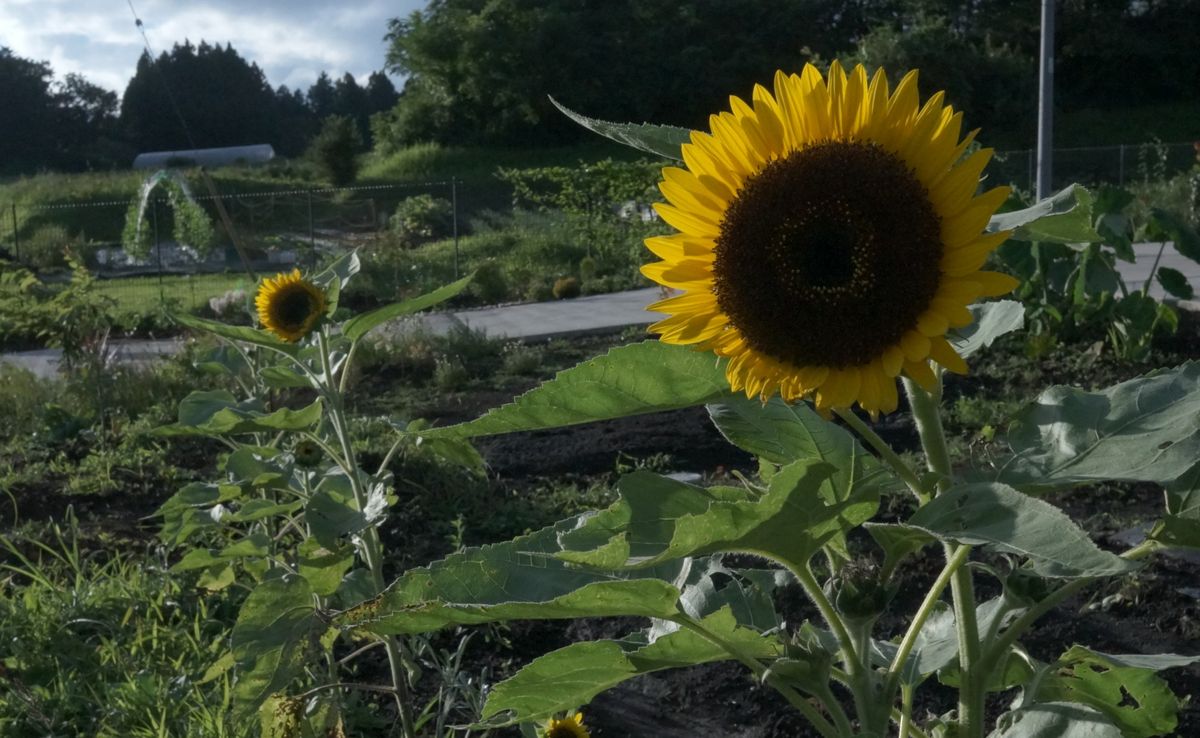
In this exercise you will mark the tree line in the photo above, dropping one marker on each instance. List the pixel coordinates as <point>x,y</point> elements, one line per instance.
<point>72,124</point>
<point>479,71</point>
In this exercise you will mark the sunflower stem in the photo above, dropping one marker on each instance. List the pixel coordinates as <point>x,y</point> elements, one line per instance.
<point>372,546</point>
<point>797,700</point>
<point>868,434</point>
<point>927,414</point>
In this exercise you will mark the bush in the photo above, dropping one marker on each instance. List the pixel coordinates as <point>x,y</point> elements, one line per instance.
<point>449,374</point>
<point>335,150</point>
<point>46,247</point>
<point>422,218</point>
<point>566,287</point>
<point>490,284</point>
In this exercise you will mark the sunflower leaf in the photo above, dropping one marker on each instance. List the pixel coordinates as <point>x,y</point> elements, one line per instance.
<point>360,325</point>
<point>572,676</point>
<point>1004,520</point>
<point>274,627</point>
<point>1055,720</point>
<point>1064,217</point>
<point>630,380</point>
<point>664,141</point>
<point>242,333</point>
<point>992,320</point>
<point>1124,688</point>
<point>218,413</point>
<point>658,520</point>
<point>518,579</point>
<point>1146,429</point>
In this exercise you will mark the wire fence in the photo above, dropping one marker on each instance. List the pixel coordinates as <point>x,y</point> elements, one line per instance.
<point>272,231</point>
<point>1120,165</point>
<point>278,229</point>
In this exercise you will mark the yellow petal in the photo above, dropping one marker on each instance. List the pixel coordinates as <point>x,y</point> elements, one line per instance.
<point>920,373</point>
<point>690,223</point>
<point>943,353</point>
<point>995,284</point>
<point>915,346</point>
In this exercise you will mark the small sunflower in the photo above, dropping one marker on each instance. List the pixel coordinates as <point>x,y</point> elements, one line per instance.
<point>289,305</point>
<point>568,727</point>
<point>829,237</point>
<point>308,454</point>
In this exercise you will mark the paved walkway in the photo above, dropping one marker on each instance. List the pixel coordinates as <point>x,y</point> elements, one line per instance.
<point>596,313</point>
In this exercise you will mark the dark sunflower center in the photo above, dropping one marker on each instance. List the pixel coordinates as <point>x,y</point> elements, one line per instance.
<point>828,256</point>
<point>562,731</point>
<point>292,306</point>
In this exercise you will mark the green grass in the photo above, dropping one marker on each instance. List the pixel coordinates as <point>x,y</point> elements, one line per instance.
<point>185,292</point>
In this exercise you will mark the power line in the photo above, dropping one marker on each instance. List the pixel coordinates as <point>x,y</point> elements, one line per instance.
<point>163,75</point>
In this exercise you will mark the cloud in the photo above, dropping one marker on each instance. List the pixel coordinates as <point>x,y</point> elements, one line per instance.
<point>291,40</point>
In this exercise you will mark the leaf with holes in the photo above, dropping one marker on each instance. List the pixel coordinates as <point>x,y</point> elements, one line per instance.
<point>1124,688</point>
<point>1055,720</point>
<point>274,628</point>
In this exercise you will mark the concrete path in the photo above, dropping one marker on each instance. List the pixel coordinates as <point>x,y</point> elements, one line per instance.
<point>596,313</point>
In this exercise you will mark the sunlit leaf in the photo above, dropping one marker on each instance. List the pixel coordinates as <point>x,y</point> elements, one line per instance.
<point>992,320</point>
<point>269,640</point>
<point>1055,720</point>
<point>629,380</point>
<point>1004,520</point>
<point>664,141</point>
<point>360,325</point>
<point>1064,217</point>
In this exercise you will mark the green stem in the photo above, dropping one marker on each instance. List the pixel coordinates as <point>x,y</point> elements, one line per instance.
<point>906,700</point>
<point>926,412</point>
<point>372,546</point>
<point>823,726</point>
<point>868,434</point>
<point>998,648</point>
<point>922,615</point>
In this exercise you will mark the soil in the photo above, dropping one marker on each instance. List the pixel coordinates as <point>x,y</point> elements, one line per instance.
<point>1155,610</point>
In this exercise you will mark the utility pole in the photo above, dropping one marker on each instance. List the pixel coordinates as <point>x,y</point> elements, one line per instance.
<point>1045,139</point>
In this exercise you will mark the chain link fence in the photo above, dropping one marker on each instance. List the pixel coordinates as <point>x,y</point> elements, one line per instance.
<point>273,231</point>
<point>1118,165</point>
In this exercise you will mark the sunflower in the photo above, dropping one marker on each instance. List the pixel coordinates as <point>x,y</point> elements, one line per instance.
<point>568,727</point>
<point>829,237</point>
<point>289,305</point>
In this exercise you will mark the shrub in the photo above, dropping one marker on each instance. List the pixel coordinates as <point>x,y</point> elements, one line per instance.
<point>422,218</point>
<point>566,287</point>
<point>490,284</point>
<point>46,247</point>
<point>335,150</point>
<point>449,374</point>
<point>519,359</point>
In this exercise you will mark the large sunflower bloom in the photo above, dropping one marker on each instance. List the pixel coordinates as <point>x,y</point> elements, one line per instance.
<point>289,305</point>
<point>568,727</point>
<point>830,236</point>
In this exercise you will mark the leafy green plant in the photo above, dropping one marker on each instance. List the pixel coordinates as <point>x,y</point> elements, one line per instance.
<point>702,562</point>
<point>191,225</point>
<point>422,218</point>
<point>334,151</point>
<point>295,515</point>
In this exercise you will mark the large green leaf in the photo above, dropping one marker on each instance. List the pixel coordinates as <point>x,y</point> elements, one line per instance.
<point>783,433</point>
<point>518,579</point>
<point>360,325</point>
<point>242,333</point>
<point>274,628</point>
<point>1065,217</point>
<point>1004,520</point>
<point>1166,225</point>
<point>572,676</point>
<point>1145,429</point>
<point>1175,283</point>
<point>1122,687</point>
<point>218,413</point>
<point>664,141</point>
<point>1055,720</point>
<point>630,380</point>
<point>659,520</point>
<point>992,320</point>
<point>256,545</point>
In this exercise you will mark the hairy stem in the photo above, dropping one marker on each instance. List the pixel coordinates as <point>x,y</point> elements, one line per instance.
<point>868,434</point>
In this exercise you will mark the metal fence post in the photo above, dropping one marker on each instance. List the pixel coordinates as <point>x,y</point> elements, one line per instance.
<point>162,300</point>
<point>454,209</point>
<point>16,236</point>
<point>312,238</point>
<point>1121,166</point>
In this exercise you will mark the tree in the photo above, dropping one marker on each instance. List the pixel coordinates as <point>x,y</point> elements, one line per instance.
<point>335,150</point>
<point>223,100</point>
<point>322,97</point>
<point>351,101</point>
<point>28,117</point>
<point>381,93</point>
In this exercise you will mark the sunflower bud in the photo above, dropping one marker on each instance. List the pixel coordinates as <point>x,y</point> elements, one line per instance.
<point>308,454</point>
<point>1023,588</point>
<point>859,593</point>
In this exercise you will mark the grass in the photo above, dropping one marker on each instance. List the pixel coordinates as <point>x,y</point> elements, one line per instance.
<point>188,292</point>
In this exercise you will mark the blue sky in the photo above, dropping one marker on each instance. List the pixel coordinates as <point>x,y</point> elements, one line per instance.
<point>292,40</point>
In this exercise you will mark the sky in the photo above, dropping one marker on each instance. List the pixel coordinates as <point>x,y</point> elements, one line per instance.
<point>291,40</point>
